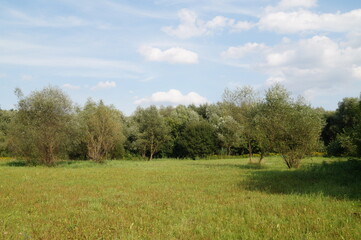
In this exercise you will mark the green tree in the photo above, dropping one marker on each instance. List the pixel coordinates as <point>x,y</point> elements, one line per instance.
<point>41,126</point>
<point>341,132</point>
<point>103,130</point>
<point>197,140</point>
<point>228,130</point>
<point>291,128</point>
<point>5,119</point>
<point>242,104</point>
<point>152,131</point>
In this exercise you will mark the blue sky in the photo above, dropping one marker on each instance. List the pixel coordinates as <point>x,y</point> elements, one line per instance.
<point>169,52</point>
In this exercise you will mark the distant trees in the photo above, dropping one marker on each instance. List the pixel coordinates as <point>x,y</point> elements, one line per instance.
<point>102,129</point>
<point>152,132</point>
<point>342,133</point>
<point>242,104</point>
<point>40,128</point>
<point>197,140</point>
<point>5,120</point>
<point>46,126</point>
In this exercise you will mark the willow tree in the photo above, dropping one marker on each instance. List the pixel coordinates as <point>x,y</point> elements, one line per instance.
<point>242,104</point>
<point>41,126</point>
<point>289,127</point>
<point>103,129</point>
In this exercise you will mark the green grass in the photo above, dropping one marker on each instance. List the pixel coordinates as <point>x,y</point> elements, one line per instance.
<point>175,199</point>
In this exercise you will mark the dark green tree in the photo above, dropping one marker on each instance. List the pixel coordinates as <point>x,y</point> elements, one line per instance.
<point>197,140</point>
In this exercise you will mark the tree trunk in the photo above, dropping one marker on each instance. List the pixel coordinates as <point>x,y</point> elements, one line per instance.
<point>250,150</point>
<point>229,151</point>
<point>150,156</point>
<point>261,157</point>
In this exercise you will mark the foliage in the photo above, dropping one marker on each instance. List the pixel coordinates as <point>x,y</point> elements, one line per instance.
<point>242,104</point>
<point>5,119</point>
<point>41,126</point>
<point>152,132</point>
<point>343,129</point>
<point>290,127</point>
<point>102,130</point>
<point>197,140</point>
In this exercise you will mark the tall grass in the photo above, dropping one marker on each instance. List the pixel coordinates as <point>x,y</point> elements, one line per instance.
<point>170,199</point>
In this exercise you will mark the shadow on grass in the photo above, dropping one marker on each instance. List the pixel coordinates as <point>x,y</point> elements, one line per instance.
<point>338,179</point>
<point>16,163</point>
<point>240,166</point>
<point>23,163</point>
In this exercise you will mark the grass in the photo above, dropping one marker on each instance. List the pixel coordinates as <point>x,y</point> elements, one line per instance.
<point>170,199</point>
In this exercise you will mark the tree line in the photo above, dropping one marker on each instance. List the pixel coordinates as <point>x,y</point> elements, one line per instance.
<point>46,126</point>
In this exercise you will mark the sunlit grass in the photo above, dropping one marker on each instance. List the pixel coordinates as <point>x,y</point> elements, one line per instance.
<point>181,199</point>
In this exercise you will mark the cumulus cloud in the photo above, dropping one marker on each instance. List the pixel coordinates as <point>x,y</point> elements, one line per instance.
<point>171,55</point>
<point>71,86</point>
<point>315,64</point>
<point>307,21</point>
<point>192,26</point>
<point>172,97</point>
<point>104,85</point>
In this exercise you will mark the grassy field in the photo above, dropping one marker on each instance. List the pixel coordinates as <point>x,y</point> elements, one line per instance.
<point>181,199</point>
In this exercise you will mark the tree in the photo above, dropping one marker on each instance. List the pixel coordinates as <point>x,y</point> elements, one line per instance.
<point>290,127</point>
<point>103,129</point>
<point>228,130</point>
<point>41,126</point>
<point>197,140</point>
<point>152,132</point>
<point>242,104</point>
<point>5,120</point>
<point>341,132</point>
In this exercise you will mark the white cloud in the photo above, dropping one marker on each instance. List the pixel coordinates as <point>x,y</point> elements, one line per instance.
<point>280,58</point>
<point>287,4</point>
<point>173,97</point>
<point>273,80</point>
<point>171,55</point>
<point>192,26</point>
<point>307,21</point>
<point>70,86</point>
<point>243,51</point>
<point>356,72</point>
<point>316,64</point>
<point>104,85</point>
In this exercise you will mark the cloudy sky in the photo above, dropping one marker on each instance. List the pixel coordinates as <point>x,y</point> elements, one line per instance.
<point>169,52</point>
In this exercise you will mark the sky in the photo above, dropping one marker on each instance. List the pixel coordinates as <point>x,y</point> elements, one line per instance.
<point>170,52</point>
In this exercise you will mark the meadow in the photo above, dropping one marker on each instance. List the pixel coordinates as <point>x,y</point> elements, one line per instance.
<point>181,199</point>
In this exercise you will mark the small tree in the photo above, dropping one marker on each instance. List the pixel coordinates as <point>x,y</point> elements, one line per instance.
<point>40,128</point>
<point>289,127</point>
<point>103,129</point>
<point>152,131</point>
